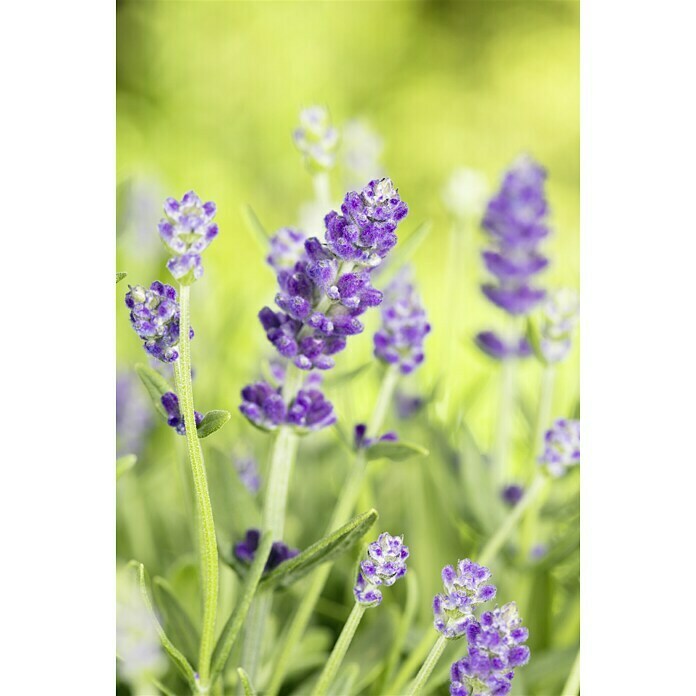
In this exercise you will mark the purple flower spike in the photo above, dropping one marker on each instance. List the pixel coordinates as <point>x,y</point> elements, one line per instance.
<point>495,650</point>
<point>361,441</point>
<point>494,346</point>
<point>263,405</point>
<point>287,245</point>
<point>558,317</point>
<point>316,138</point>
<point>404,325</point>
<point>175,418</point>
<point>561,447</point>
<point>385,564</point>
<point>187,230</point>
<point>245,550</point>
<point>322,291</point>
<point>154,315</point>
<point>465,588</point>
<point>365,232</point>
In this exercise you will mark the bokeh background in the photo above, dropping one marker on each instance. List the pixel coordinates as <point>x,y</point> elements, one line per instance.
<point>208,94</point>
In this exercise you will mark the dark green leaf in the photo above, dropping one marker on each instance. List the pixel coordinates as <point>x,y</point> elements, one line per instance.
<point>212,421</point>
<point>178,622</point>
<point>396,451</point>
<point>120,277</point>
<point>124,464</point>
<point>320,552</point>
<point>234,623</point>
<point>155,384</point>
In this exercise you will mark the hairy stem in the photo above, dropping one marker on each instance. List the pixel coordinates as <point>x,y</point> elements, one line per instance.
<point>206,526</point>
<point>283,457</point>
<point>428,666</point>
<point>496,542</point>
<point>415,658</point>
<point>339,651</point>
<point>341,515</point>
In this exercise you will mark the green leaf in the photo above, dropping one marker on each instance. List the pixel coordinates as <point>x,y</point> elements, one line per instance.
<point>155,384</point>
<point>124,464</point>
<point>396,451</point>
<point>534,337</point>
<point>174,653</point>
<point>345,682</point>
<point>212,421</point>
<point>178,622</point>
<point>163,688</point>
<point>246,682</point>
<point>320,552</point>
<point>120,277</point>
<point>349,375</point>
<point>234,623</point>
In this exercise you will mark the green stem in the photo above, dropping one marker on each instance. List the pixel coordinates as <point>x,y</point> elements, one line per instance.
<point>428,666</point>
<point>339,651</point>
<point>341,515</point>
<point>322,190</point>
<point>572,685</point>
<point>501,449</point>
<point>496,542</point>
<point>206,529</point>
<point>282,459</point>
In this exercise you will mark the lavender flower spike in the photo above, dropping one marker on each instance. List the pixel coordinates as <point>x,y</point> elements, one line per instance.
<point>515,220</point>
<point>385,564</point>
<point>404,325</point>
<point>465,589</point>
<point>246,550</point>
<point>559,315</point>
<point>316,138</point>
<point>154,315</point>
<point>264,407</point>
<point>186,230</point>
<point>287,246</point>
<point>495,650</point>
<point>561,447</point>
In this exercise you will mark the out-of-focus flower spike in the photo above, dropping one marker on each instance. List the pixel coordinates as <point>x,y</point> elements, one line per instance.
<point>561,447</point>
<point>316,138</point>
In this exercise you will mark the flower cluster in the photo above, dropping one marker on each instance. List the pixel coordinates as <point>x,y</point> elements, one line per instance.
<point>287,245</point>
<point>405,325</point>
<point>187,230</point>
<point>515,220</point>
<point>175,419</point>
<point>384,565</point>
<point>559,315</point>
<point>316,138</point>
<point>361,441</point>
<point>561,446</point>
<point>328,288</point>
<point>246,550</point>
<point>465,589</point>
<point>263,405</point>
<point>495,649</point>
<point>154,315</point>
<point>495,346</point>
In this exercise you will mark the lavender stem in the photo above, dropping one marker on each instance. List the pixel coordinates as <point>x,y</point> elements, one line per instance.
<point>428,666</point>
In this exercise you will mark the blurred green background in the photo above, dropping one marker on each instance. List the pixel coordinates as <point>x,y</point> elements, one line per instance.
<point>208,94</point>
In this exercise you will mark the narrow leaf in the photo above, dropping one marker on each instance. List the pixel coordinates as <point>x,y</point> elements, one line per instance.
<point>534,338</point>
<point>246,682</point>
<point>258,231</point>
<point>396,451</point>
<point>212,421</point>
<point>349,375</point>
<point>155,384</point>
<point>345,682</point>
<point>120,277</point>
<point>234,623</point>
<point>178,622</point>
<point>124,464</point>
<point>322,551</point>
<point>174,653</point>
<point>163,689</point>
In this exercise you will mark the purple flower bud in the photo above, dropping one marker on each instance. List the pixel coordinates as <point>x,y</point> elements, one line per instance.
<point>494,346</point>
<point>287,245</point>
<point>263,405</point>
<point>245,550</point>
<point>361,441</point>
<point>175,418</point>
<point>495,649</point>
<point>561,446</point>
<point>385,564</point>
<point>465,588</point>
<point>154,315</point>
<point>512,494</point>
<point>404,325</point>
<point>310,411</point>
<point>187,230</point>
